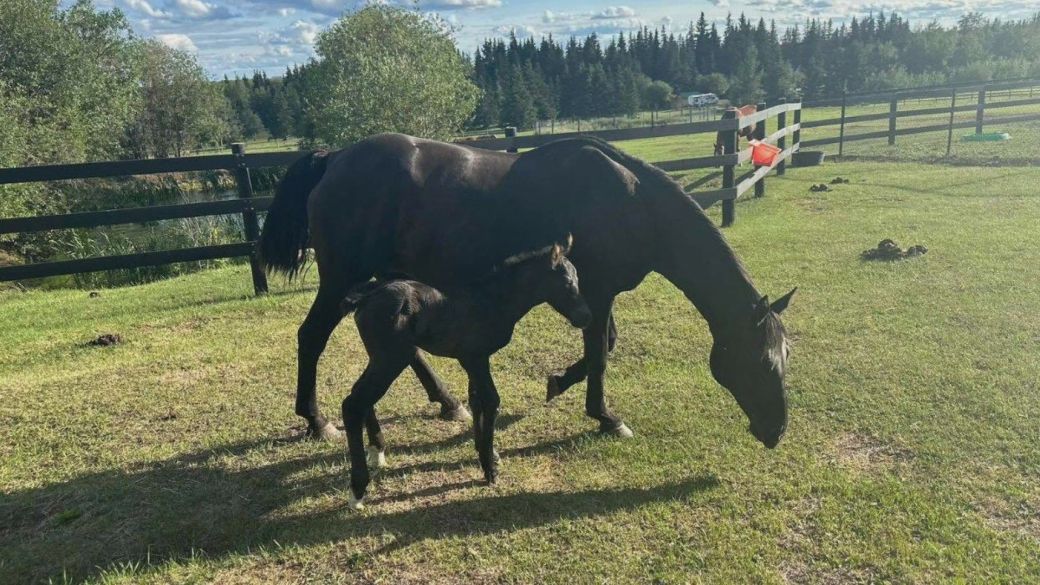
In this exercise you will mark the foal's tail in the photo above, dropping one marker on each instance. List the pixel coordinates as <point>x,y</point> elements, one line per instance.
<point>285,236</point>
<point>356,296</point>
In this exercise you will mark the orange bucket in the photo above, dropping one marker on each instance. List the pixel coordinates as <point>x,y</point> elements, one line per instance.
<point>763,154</point>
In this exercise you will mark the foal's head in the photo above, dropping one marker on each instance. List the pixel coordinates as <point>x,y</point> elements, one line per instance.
<point>548,277</point>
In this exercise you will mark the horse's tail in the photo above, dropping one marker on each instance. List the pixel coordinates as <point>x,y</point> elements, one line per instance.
<point>285,236</point>
<point>356,296</point>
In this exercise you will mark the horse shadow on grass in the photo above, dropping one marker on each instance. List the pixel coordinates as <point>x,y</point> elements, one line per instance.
<point>215,502</point>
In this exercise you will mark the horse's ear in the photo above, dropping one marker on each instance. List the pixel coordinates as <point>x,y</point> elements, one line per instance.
<point>569,244</point>
<point>780,304</point>
<point>760,310</point>
<point>557,254</point>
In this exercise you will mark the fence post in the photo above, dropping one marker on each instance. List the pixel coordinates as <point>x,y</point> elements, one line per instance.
<point>760,134</point>
<point>781,124</point>
<point>892,107</point>
<point>980,110</point>
<point>949,134</point>
<point>841,131</point>
<point>729,146</point>
<point>797,140</point>
<point>249,221</point>
<point>511,134</point>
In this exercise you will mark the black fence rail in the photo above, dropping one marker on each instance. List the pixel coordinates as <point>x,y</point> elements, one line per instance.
<point>246,204</point>
<point>1027,91</point>
<point>733,187</point>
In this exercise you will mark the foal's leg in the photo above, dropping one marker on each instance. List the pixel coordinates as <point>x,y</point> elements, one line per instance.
<point>576,372</point>
<point>313,335</point>
<point>451,409</point>
<point>376,447</point>
<point>484,400</point>
<point>370,387</point>
<point>596,337</point>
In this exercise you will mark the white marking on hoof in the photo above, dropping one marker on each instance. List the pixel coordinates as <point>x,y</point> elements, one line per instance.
<point>354,503</point>
<point>623,432</point>
<point>376,458</point>
<point>495,456</point>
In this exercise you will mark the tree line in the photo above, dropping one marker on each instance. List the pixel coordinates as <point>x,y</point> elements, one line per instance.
<point>745,61</point>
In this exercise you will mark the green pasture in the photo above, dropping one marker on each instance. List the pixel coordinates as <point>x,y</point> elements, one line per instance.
<point>911,455</point>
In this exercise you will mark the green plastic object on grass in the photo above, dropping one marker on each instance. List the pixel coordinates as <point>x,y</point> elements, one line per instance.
<point>986,137</point>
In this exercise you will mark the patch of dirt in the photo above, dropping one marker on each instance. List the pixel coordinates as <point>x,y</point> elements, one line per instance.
<point>840,181</point>
<point>800,544</point>
<point>819,188</point>
<point>887,250</point>
<point>1021,517</point>
<point>867,453</point>
<point>106,340</point>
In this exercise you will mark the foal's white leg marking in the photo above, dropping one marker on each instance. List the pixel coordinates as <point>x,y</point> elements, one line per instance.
<point>354,503</point>
<point>376,458</point>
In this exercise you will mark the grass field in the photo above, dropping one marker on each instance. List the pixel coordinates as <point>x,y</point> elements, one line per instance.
<point>911,455</point>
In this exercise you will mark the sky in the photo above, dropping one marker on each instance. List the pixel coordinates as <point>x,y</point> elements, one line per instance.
<point>238,37</point>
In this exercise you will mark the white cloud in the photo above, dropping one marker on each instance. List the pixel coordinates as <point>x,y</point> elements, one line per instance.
<point>615,12</point>
<point>286,11</point>
<point>548,17</point>
<point>520,30</point>
<point>456,4</point>
<point>146,8</point>
<point>178,41</point>
<point>194,8</point>
<point>304,32</point>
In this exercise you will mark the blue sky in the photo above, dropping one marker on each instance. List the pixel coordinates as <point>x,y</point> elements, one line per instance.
<point>240,36</point>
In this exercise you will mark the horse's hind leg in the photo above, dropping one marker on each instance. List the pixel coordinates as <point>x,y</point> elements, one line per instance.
<point>451,408</point>
<point>312,337</point>
<point>576,372</point>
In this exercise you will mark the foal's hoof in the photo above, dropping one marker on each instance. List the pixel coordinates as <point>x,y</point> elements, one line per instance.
<point>328,433</point>
<point>355,504</point>
<point>552,389</point>
<point>457,414</point>
<point>621,431</point>
<point>376,458</point>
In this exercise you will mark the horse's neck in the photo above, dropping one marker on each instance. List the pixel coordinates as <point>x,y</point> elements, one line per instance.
<point>696,258</point>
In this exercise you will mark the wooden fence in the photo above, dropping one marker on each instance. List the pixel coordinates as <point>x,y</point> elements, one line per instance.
<point>733,187</point>
<point>979,91</point>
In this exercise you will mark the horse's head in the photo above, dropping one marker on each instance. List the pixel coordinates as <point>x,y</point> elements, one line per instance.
<point>749,360</point>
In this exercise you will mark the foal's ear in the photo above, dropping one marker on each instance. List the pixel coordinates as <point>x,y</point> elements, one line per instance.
<point>780,304</point>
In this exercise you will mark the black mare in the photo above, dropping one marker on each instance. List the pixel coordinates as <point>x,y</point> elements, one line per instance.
<point>395,318</point>
<point>445,214</point>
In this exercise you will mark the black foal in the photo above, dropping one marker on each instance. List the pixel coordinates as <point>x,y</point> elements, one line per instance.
<point>396,318</point>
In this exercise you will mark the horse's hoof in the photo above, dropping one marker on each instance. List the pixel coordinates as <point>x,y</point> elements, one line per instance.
<point>621,431</point>
<point>376,458</point>
<point>457,414</point>
<point>328,433</point>
<point>355,504</point>
<point>552,389</point>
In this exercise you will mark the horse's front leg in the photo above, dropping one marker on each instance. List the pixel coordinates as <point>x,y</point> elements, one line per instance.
<point>436,391</point>
<point>576,372</point>
<point>484,401</point>
<point>596,337</point>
